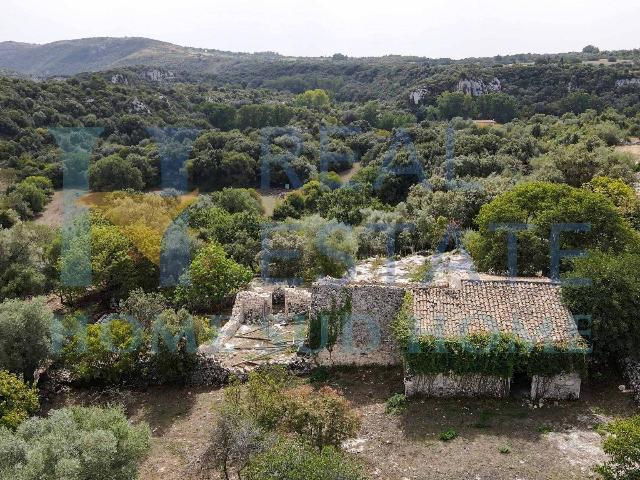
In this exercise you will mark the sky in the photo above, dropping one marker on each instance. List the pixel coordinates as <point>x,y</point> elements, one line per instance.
<point>432,28</point>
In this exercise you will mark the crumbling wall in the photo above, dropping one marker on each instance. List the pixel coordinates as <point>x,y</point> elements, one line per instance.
<point>440,385</point>
<point>365,338</point>
<point>254,308</point>
<point>557,387</point>
<point>296,302</point>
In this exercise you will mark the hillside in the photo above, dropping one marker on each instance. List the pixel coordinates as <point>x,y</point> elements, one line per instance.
<point>69,57</point>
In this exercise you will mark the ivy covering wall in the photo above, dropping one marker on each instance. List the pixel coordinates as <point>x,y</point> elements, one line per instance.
<point>497,354</point>
<point>325,326</point>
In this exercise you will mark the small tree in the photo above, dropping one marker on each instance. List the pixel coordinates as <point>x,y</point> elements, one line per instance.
<point>234,440</point>
<point>212,277</point>
<point>114,173</point>
<point>621,445</point>
<point>144,307</point>
<point>17,400</point>
<point>75,443</point>
<point>25,327</point>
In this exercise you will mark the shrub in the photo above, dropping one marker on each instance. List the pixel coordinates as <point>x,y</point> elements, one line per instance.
<point>212,276</point>
<point>541,205</point>
<point>448,435</point>
<point>234,440</point>
<point>292,460</point>
<point>35,197</point>
<point>396,404</point>
<point>273,400</point>
<point>123,351</point>
<point>74,443</point>
<point>322,418</point>
<point>25,340</point>
<point>114,173</point>
<point>612,300</point>
<point>106,353</point>
<point>621,445</point>
<point>17,400</point>
<point>144,307</point>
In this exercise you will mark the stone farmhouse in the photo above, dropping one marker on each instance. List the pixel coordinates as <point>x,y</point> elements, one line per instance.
<point>459,335</point>
<point>529,312</point>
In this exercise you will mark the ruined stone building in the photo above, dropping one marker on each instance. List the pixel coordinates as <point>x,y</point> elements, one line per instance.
<point>535,339</point>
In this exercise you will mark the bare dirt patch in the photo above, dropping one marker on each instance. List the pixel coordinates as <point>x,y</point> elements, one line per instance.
<point>53,214</point>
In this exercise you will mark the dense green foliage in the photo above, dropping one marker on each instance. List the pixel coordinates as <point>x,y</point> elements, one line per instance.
<point>621,444</point>
<point>78,443</point>
<point>495,354</point>
<point>290,460</point>
<point>541,206</point>
<point>212,276</point>
<point>18,401</point>
<point>273,408</point>
<point>611,299</point>
<point>26,335</point>
<point>144,343</point>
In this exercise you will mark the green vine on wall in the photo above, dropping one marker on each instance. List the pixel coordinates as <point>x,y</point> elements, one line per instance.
<point>496,354</point>
<point>326,326</point>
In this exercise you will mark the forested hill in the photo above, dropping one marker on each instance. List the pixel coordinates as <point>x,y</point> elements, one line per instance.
<point>69,57</point>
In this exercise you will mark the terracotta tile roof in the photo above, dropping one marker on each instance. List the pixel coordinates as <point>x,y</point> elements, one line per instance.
<point>531,310</point>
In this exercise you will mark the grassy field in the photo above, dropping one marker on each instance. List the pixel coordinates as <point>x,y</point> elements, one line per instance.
<point>496,439</point>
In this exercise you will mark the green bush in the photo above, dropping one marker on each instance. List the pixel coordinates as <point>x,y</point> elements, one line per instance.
<point>621,444</point>
<point>122,351</point>
<point>448,435</point>
<point>396,404</point>
<point>292,460</point>
<point>275,400</point>
<point>25,340</point>
<point>612,299</point>
<point>322,418</point>
<point>234,440</point>
<point>212,276</point>
<point>17,400</point>
<point>74,443</point>
<point>105,353</point>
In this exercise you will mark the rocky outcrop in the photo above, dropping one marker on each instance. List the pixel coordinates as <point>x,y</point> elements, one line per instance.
<point>417,95</point>
<point>478,87</point>
<point>155,75</point>
<point>626,82</point>
<point>138,107</point>
<point>119,79</point>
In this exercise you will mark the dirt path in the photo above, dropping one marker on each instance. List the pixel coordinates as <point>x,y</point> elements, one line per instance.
<point>53,214</point>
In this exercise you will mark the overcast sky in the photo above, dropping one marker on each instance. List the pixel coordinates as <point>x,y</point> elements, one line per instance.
<point>433,28</point>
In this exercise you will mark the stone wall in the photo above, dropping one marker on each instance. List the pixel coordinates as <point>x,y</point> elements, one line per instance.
<point>632,374</point>
<point>558,387</point>
<point>296,302</point>
<point>254,308</point>
<point>366,338</point>
<point>441,385</point>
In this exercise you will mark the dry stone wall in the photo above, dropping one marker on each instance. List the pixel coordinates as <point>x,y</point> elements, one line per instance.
<point>558,387</point>
<point>441,385</point>
<point>365,338</point>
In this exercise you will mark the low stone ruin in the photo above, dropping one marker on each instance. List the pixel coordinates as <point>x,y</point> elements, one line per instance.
<point>457,386</point>
<point>557,387</point>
